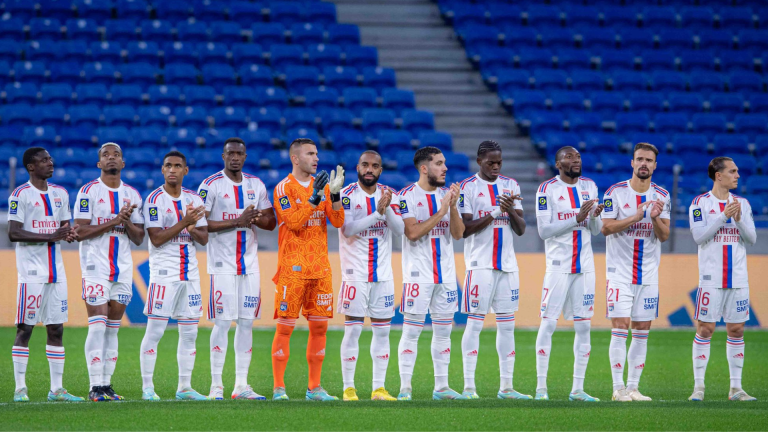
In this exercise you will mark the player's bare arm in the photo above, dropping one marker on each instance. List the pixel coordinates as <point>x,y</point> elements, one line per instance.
<point>415,230</point>
<point>264,219</point>
<point>613,226</point>
<point>17,233</point>
<point>86,231</point>
<point>660,226</point>
<point>243,221</point>
<point>516,219</point>
<point>160,236</point>
<point>457,223</point>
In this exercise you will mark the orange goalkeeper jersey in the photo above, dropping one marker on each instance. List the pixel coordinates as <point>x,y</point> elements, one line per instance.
<point>303,233</point>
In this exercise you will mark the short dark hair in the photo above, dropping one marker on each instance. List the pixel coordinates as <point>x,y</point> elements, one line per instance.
<point>487,146</point>
<point>29,156</point>
<point>175,153</point>
<point>562,150</point>
<point>236,140</point>
<point>645,146</point>
<point>716,165</point>
<point>425,154</point>
<point>370,152</point>
<point>298,142</point>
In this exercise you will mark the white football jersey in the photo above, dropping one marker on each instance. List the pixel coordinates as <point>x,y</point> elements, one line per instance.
<point>176,260</point>
<point>430,258</point>
<point>232,251</point>
<point>570,252</point>
<point>107,256</point>
<point>491,248</point>
<point>366,256</point>
<point>723,258</point>
<point>41,212</point>
<point>633,255</point>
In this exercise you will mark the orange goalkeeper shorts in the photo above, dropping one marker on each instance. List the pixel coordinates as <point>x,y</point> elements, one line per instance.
<point>314,296</point>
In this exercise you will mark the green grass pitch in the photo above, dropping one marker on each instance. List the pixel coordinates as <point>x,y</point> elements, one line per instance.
<point>667,378</point>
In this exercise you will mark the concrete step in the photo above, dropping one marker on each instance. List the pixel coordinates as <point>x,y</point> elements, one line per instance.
<point>441,110</point>
<point>373,34</point>
<point>450,123</point>
<point>431,65</point>
<point>407,44</point>
<point>383,12</point>
<point>347,3</point>
<point>478,99</point>
<point>440,77</point>
<point>443,88</point>
<point>420,54</point>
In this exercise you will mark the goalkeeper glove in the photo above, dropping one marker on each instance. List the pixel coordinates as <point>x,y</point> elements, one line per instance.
<point>336,183</point>
<point>320,181</point>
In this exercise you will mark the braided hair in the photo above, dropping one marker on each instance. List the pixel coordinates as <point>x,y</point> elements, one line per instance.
<point>487,146</point>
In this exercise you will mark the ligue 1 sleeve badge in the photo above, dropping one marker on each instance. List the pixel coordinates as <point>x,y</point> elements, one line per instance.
<point>345,203</point>
<point>542,203</point>
<point>608,205</point>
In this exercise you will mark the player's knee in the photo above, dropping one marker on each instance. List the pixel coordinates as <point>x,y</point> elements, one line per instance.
<point>318,328</point>
<point>705,330</point>
<point>735,330</point>
<point>221,323</point>
<point>353,318</point>
<point>641,325</point>
<point>55,332</point>
<point>245,324</point>
<point>23,334</point>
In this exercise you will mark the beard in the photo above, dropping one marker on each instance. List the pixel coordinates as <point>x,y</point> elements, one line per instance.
<point>112,171</point>
<point>365,182</point>
<point>643,176</point>
<point>573,172</point>
<point>434,182</point>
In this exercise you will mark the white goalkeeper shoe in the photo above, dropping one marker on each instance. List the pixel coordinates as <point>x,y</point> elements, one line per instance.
<point>635,395</point>
<point>621,395</point>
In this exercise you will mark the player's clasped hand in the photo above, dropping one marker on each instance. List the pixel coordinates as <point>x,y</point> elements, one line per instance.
<point>641,210</point>
<point>246,218</point>
<point>586,208</point>
<point>384,201</point>
<point>657,208</point>
<point>732,209</point>
<point>193,215</point>
<point>125,214</point>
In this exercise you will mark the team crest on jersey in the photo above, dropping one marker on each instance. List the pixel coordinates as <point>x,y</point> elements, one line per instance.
<point>283,306</point>
<point>345,203</point>
<point>285,203</point>
<point>403,207</point>
<point>251,194</point>
<point>153,214</point>
<point>475,303</point>
<point>219,309</point>
<point>585,196</point>
<point>697,215</point>
<point>542,203</point>
<point>203,194</point>
<point>31,315</point>
<point>126,202</point>
<point>57,202</point>
<point>158,304</point>
<point>409,302</point>
<point>703,312</point>
<point>610,307</point>
<point>84,205</point>
<point>14,208</point>
<point>608,203</point>
<point>346,304</point>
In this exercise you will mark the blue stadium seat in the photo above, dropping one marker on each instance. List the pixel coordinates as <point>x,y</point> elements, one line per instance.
<point>343,34</point>
<point>557,38</point>
<point>377,119</point>
<point>91,94</point>
<point>212,53</point>
<point>492,61</point>
<point>258,140</point>
<point>244,12</point>
<point>296,117</point>
<point>728,104</point>
<point>307,34</point>
<point>361,56</point>
<point>751,124</point>
<point>200,96</point>
<point>121,30</point>
<point>441,140</point>
<point>661,17</point>
<point>147,52</point>
<point>619,60</point>
<point>321,12</point>
<point>636,39</point>
<point>587,80</point>
<point>39,136</point>
<point>527,100</point>
<point>379,78</point>
<point>586,16</point>
<point>12,28</point>
<point>731,61</point>
<point>657,139</point>
<point>648,102</point>
<point>709,123</point>
<point>285,12</point>
<point>746,163</point>
<point>742,81</point>
<point>181,138</point>
<point>543,16</point>
<point>143,74</point>
<point>467,14</point>
<point>715,40</point>
<point>44,29</point>
<point>246,54</point>
<point>670,123</point>
<point>95,10</point>
<point>395,141</point>
<point>573,60</point>
<point>50,115</point>
<point>597,38</point>
<point>550,79</point>
<point>73,157</point>
<point>225,32</point>
<point>29,71</point>
<point>156,30</point>
<point>415,121</point>
<point>335,121</point>
<point>298,78</point>
<point>761,149</point>
<point>191,117</point>
<point>60,93</point>
<point>687,103</point>
<point>283,55</point>
<point>567,101</point>
<point>276,159</point>
<point>44,51</point>
<point>256,76</point>
<point>510,80</point>
<point>659,60</point>
<point>65,72</point>
<point>629,81</point>
<point>706,82</point>
<point>698,60</point>
<point>239,96</point>
<point>606,103</point>
<point>119,115</point>
<point>132,9</point>
<point>613,162</point>
<point>266,119</point>
<point>667,81</point>
<point>21,9</point>
<point>340,77</point>
<point>268,34</point>
<point>534,58</point>
<point>145,137</point>
<point>758,103</point>
<point>107,52</point>
<point>172,11</point>
<point>665,166</point>
<point>229,117</point>
<point>180,74</point>
<point>215,137</point>
<point>757,185</point>
<point>752,40</point>
<point>520,37</point>
<point>275,97</point>
<point>126,94</point>
<point>553,141</point>
<point>10,50</point>
<point>697,17</point>
<point>156,115</point>
<point>359,99</point>
<point>454,161</point>
<point>735,18</point>
<point>84,115</point>
<point>165,95</point>
<point>477,38</point>
<point>505,14</point>
<point>192,31</point>
<point>20,93</point>
<point>542,122</point>
<point>99,73</point>
<point>218,76</point>
<point>74,51</point>
<point>76,137</point>
<point>321,97</point>
<point>325,161</point>
<point>628,123</point>
<point>601,142</point>
<point>118,134</point>
<point>585,122</point>
<point>731,143</point>
<point>398,100</point>
<point>323,55</point>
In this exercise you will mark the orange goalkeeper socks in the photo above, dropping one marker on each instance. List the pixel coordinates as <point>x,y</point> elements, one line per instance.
<point>318,326</point>
<point>281,349</point>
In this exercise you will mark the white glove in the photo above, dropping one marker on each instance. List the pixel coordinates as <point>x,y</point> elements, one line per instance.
<point>337,180</point>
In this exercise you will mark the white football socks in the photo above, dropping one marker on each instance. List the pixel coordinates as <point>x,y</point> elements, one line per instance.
<point>110,351</point>
<point>734,349</point>
<point>186,351</point>
<point>94,348</point>
<point>617,353</point>
<point>700,359</point>
<point>350,351</point>
<point>581,351</point>
<point>380,352</point>
<point>243,351</point>
<point>441,348</point>
<point>505,347</point>
<point>219,343</point>
<point>413,324</point>
<point>20,356</point>
<point>470,345</point>
<point>638,349</point>
<point>153,333</point>
<point>543,350</point>
<point>55,356</point>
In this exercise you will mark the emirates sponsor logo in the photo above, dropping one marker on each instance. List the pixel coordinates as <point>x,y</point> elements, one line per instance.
<point>150,352</point>
<point>383,357</point>
<point>512,354</point>
<point>350,359</point>
<point>739,356</point>
<point>216,349</point>
<point>701,357</point>
<point>541,352</point>
<point>406,352</point>
<point>616,366</point>
<point>95,360</point>
<point>446,351</point>
<point>278,353</point>
<point>472,353</point>
<point>640,366</point>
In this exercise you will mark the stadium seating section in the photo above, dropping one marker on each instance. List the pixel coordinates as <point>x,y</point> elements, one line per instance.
<point>686,75</point>
<point>160,75</point>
